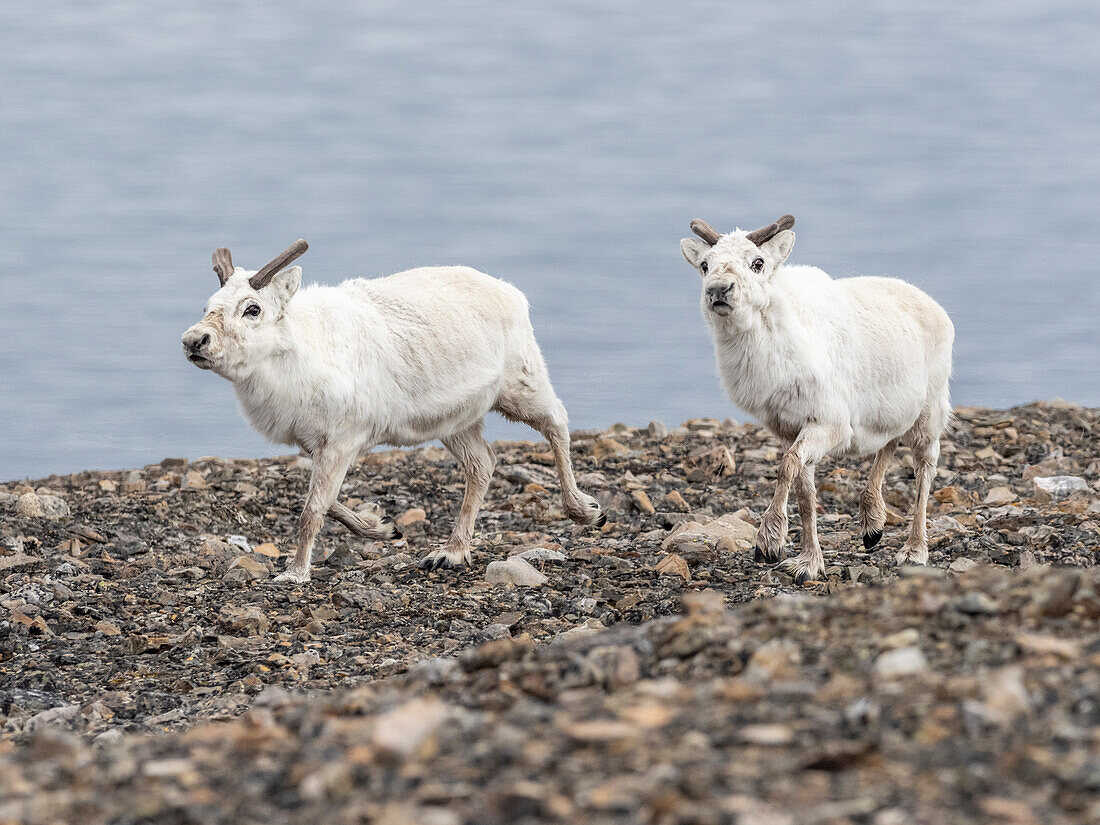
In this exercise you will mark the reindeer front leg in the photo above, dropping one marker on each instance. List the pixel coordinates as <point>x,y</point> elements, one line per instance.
<point>329,468</point>
<point>813,443</point>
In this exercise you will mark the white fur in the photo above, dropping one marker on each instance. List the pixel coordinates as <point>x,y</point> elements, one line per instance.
<point>851,366</point>
<point>420,355</point>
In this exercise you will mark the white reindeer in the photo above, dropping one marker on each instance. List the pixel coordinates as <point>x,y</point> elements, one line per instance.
<point>852,366</point>
<point>416,356</point>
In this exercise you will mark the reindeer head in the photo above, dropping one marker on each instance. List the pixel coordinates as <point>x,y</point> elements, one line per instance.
<point>737,266</point>
<point>243,320</point>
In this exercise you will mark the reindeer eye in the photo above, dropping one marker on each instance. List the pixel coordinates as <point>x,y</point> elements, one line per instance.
<point>757,265</point>
<point>703,267</point>
<point>252,311</point>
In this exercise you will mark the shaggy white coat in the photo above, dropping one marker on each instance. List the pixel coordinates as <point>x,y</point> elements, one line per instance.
<point>851,366</point>
<point>420,355</point>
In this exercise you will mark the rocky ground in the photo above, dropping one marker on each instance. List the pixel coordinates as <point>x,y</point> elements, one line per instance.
<point>651,671</point>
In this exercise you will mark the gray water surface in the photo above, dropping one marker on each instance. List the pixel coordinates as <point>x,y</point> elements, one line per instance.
<point>563,146</point>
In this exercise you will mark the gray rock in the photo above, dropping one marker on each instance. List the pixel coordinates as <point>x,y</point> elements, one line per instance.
<point>541,554</point>
<point>35,505</point>
<point>514,570</point>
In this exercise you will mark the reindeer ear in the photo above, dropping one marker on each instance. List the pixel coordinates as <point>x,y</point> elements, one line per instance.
<point>780,246</point>
<point>285,283</point>
<point>694,251</point>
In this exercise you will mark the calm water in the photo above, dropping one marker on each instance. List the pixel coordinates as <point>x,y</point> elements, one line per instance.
<point>563,146</point>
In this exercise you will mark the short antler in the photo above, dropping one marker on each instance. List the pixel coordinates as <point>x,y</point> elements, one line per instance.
<point>768,232</point>
<point>264,276</point>
<point>705,231</point>
<point>223,264</point>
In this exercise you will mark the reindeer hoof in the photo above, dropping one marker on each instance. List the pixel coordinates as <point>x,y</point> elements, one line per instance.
<point>293,575</point>
<point>442,560</point>
<point>394,532</point>
<point>764,556</point>
<point>601,521</point>
<point>871,539</point>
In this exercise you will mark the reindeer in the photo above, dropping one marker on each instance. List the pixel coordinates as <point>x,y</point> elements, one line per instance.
<point>416,356</point>
<point>852,366</point>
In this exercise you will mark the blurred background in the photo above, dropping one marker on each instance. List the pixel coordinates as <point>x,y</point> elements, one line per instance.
<point>563,146</point>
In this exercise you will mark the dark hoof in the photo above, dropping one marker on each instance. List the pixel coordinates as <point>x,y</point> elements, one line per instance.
<point>871,539</point>
<point>397,534</point>
<point>800,579</point>
<point>761,557</point>
<point>601,521</point>
<point>439,563</point>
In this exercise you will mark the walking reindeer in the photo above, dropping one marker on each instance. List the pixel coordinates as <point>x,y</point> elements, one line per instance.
<point>416,356</point>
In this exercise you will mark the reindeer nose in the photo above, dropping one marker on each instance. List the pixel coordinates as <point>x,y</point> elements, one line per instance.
<point>717,292</point>
<point>195,341</point>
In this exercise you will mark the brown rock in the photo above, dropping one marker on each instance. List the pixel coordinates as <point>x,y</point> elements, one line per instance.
<point>604,448</point>
<point>642,502</point>
<point>411,516</point>
<point>673,565</point>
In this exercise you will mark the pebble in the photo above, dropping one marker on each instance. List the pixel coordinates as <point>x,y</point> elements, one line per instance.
<point>900,663</point>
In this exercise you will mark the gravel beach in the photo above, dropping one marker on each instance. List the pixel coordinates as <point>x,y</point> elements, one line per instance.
<point>648,671</point>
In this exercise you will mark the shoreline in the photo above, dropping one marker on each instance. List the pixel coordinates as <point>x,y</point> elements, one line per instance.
<point>652,665</point>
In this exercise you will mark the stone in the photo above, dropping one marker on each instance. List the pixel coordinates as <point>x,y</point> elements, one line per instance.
<point>193,480</point>
<point>250,620</point>
<point>42,505</point>
<point>1057,488</point>
<point>642,502</point>
<point>542,554</point>
<point>403,731</point>
<point>107,627</point>
<point>709,465</point>
<point>656,429</point>
<point>604,448</point>
<point>899,663</point>
<point>776,660</point>
<point>674,501</point>
<point>413,515</point>
<point>514,570</point>
<point>728,533</point>
<point>18,562</point>
<point>962,565</point>
<point>673,565</point>
<point>1000,495</point>
<point>976,603</point>
<point>953,496</point>
<point>1054,596</point>
<point>246,568</point>
<point>132,482</point>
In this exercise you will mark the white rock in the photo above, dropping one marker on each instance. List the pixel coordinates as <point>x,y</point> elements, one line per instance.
<point>241,542</point>
<point>404,729</point>
<point>1060,487</point>
<point>540,554</point>
<point>514,570</point>
<point>896,664</point>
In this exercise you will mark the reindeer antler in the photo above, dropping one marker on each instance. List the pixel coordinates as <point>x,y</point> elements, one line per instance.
<point>705,231</point>
<point>768,232</point>
<point>264,276</point>
<point>223,264</point>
